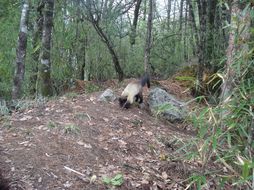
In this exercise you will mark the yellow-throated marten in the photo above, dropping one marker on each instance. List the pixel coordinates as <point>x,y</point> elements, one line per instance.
<point>133,92</point>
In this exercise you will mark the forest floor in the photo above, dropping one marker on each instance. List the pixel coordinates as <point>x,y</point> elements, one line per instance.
<point>74,142</point>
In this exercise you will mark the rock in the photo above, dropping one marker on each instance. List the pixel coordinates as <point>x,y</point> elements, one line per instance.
<point>166,106</point>
<point>107,96</point>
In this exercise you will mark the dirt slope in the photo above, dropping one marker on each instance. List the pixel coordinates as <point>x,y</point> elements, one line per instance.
<point>40,146</point>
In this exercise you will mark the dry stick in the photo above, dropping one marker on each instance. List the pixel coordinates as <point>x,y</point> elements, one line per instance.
<point>170,178</point>
<point>76,172</point>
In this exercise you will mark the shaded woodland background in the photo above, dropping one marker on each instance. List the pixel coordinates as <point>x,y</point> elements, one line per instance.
<point>101,40</point>
<point>48,46</point>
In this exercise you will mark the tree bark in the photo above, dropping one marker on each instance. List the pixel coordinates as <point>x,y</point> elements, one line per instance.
<point>21,52</point>
<point>135,22</point>
<point>211,29</point>
<point>44,81</point>
<point>144,13</point>
<point>84,67</point>
<point>202,60</point>
<point>168,14</point>
<point>185,45</point>
<point>181,16</point>
<point>194,27</point>
<point>148,44</point>
<point>237,27</point>
<point>37,35</point>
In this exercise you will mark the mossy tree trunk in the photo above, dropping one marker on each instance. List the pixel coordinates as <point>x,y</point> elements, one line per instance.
<point>240,29</point>
<point>202,59</point>
<point>44,85</point>
<point>36,43</point>
<point>21,52</point>
<point>148,43</point>
<point>135,22</point>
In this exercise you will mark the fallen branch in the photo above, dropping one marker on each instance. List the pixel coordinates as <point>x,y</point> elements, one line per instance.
<point>74,171</point>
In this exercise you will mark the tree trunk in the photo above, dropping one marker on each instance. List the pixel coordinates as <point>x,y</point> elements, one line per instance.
<point>105,39</point>
<point>148,44</point>
<point>37,35</point>
<point>181,16</point>
<point>168,14</point>
<point>174,15</point>
<point>112,52</point>
<point>239,27</point>
<point>84,67</point>
<point>185,45</point>
<point>194,27</point>
<point>144,13</point>
<point>44,85</point>
<point>135,22</point>
<point>21,52</point>
<point>211,29</point>
<point>202,60</point>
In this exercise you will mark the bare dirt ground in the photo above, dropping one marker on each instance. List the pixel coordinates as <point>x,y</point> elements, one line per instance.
<point>73,142</point>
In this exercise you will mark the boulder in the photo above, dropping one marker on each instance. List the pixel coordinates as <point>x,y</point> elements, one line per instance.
<point>166,106</point>
<point>107,96</point>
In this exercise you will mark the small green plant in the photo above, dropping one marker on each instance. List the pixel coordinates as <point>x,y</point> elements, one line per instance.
<point>7,125</point>
<point>82,116</point>
<point>51,125</point>
<point>115,181</point>
<point>185,78</point>
<point>41,101</point>
<point>71,95</point>
<point>71,129</point>
<point>22,104</point>
<point>3,108</point>
<point>89,88</point>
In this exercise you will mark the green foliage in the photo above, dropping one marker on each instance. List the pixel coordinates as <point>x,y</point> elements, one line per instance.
<point>82,116</point>
<point>199,180</point>
<point>225,131</point>
<point>8,42</point>
<point>185,78</point>
<point>71,129</point>
<point>22,104</point>
<point>90,87</point>
<point>162,108</point>
<point>51,125</point>
<point>4,110</point>
<point>115,181</point>
<point>71,95</point>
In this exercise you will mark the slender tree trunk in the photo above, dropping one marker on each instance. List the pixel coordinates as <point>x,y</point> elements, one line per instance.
<point>181,16</point>
<point>44,85</point>
<point>148,44</point>
<point>168,14</point>
<point>135,22</point>
<point>84,67</point>
<point>238,27</point>
<point>202,60</point>
<point>105,39</point>
<point>112,52</point>
<point>145,7</point>
<point>37,35</point>
<point>211,29</point>
<point>193,27</point>
<point>185,45</point>
<point>21,52</point>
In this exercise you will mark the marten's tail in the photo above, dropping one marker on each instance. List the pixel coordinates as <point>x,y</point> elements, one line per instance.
<point>145,80</point>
